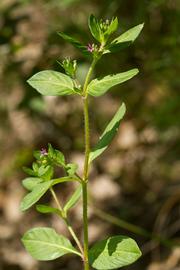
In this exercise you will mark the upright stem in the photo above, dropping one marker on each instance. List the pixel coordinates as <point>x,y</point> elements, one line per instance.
<point>88,76</point>
<point>86,164</point>
<point>85,226</point>
<point>84,185</point>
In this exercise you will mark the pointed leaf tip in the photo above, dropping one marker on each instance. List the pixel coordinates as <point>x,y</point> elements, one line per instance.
<point>108,134</point>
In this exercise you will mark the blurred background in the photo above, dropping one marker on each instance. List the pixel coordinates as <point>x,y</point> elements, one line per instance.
<point>135,184</point>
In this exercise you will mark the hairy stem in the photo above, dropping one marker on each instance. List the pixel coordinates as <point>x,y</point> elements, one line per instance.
<point>86,166</point>
<point>88,76</point>
<point>73,234</point>
<point>84,185</point>
<point>85,226</point>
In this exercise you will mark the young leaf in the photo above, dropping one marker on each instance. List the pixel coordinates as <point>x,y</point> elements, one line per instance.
<point>39,190</point>
<point>75,43</point>
<point>71,169</point>
<point>45,244</point>
<point>108,133</point>
<point>52,83</point>
<point>125,39</point>
<point>45,209</point>
<point>100,86</point>
<point>30,182</point>
<point>112,27</point>
<point>73,199</point>
<point>34,196</point>
<point>29,171</point>
<point>59,158</point>
<point>94,27</point>
<point>113,253</point>
<point>46,172</point>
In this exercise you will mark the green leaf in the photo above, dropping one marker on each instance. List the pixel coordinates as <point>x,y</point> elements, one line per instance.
<point>71,169</point>
<point>100,86</point>
<point>75,43</point>
<point>108,133</point>
<point>125,39</point>
<point>45,209</point>
<point>59,158</point>
<point>56,156</point>
<point>112,27</point>
<point>29,171</point>
<point>34,196</point>
<point>73,199</point>
<point>94,27</point>
<point>31,182</point>
<point>113,253</point>
<point>46,172</point>
<point>45,244</point>
<point>52,83</point>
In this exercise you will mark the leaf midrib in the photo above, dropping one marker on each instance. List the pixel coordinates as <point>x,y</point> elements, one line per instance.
<point>95,82</point>
<point>97,250</point>
<point>47,81</point>
<point>50,244</point>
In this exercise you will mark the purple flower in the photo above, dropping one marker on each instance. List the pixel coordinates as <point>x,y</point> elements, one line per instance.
<point>90,47</point>
<point>43,152</point>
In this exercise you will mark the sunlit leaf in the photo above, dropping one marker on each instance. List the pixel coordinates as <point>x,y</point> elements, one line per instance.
<point>52,83</point>
<point>98,87</point>
<point>124,40</point>
<point>108,134</point>
<point>46,172</point>
<point>113,253</point>
<point>34,196</point>
<point>40,189</point>
<point>30,182</point>
<point>45,244</point>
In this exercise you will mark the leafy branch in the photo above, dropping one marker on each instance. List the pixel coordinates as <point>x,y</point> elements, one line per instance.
<point>44,243</point>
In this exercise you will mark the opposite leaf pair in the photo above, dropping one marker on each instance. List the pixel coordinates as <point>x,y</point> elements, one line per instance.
<point>45,243</point>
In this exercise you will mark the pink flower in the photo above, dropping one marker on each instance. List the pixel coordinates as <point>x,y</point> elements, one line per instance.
<point>90,47</point>
<point>43,152</point>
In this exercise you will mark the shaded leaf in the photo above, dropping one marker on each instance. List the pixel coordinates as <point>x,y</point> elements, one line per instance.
<point>52,83</point>
<point>29,171</point>
<point>94,27</point>
<point>45,244</point>
<point>75,43</point>
<point>100,86</point>
<point>125,39</point>
<point>71,169</point>
<point>45,209</point>
<point>73,199</point>
<point>30,182</point>
<point>112,27</point>
<point>113,253</point>
<point>108,133</point>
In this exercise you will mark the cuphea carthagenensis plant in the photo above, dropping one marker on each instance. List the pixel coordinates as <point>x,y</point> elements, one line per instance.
<point>45,243</point>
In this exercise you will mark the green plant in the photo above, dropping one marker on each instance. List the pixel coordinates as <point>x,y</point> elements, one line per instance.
<point>44,243</point>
